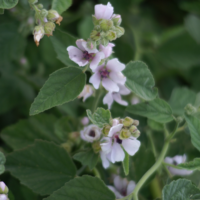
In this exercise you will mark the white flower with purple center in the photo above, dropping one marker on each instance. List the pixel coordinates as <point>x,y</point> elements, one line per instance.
<point>110,97</point>
<point>90,133</point>
<point>176,160</point>
<point>83,55</point>
<point>110,75</point>
<point>113,145</point>
<point>103,11</point>
<point>122,187</point>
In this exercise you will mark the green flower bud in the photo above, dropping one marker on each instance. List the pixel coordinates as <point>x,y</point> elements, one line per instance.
<point>116,20</point>
<point>67,146</point>
<point>136,134</point>
<point>3,188</point>
<point>127,121</point>
<point>95,20</point>
<point>44,13</point>
<point>49,28</point>
<point>106,25</point>
<point>52,15</point>
<point>95,35</point>
<point>179,119</point>
<point>91,44</point>
<point>74,136</point>
<point>190,110</point>
<point>104,42</point>
<point>124,134</point>
<point>136,122</point>
<point>32,1</point>
<point>119,31</point>
<point>106,129</point>
<point>133,129</point>
<point>40,6</point>
<point>96,146</point>
<point>111,35</point>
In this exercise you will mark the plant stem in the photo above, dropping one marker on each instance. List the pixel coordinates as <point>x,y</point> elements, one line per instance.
<point>96,101</point>
<point>96,173</point>
<point>152,144</point>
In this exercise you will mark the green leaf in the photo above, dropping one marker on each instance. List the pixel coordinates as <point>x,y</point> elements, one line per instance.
<point>157,110</point>
<point>192,165</point>
<point>2,162</point>
<point>179,190</point>
<point>100,117</point>
<point>61,40</point>
<point>178,104</point>
<point>140,80</point>
<point>25,132</point>
<point>126,163</point>
<point>87,157</point>
<point>83,188</point>
<point>7,4</point>
<point>43,167</point>
<point>192,24</point>
<point>1,11</point>
<point>62,86</point>
<point>155,125</point>
<point>194,127</point>
<point>61,5</point>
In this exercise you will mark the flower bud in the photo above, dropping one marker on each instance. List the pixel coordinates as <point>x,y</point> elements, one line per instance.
<point>115,121</point>
<point>53,15</point>
<point>74,136</point>
<point>124,134</point>
<point>95,35</point>
<point>91,45</point>
<point>104,42</point>
<point>133,129</point>
<point>85,121</point>
<point>111,35</point>
<point>3,197</point>
<point>179,119</point>
<point>40,6</point>
<point>136,134</point>
<point>38,34</point>
<point>95,20</point>
<point>49,28</point>
<point>67,146</point>
<point>3,188</point>
<point>44,13</point>
<point>127,121</point>
<point>119,31</point>
<point>190,110</point>
<point>32,1</point>
<point>136,122</point>
<point>96,146</point>
<point>106,25</point>
<point>116,19</point>
<point>106,129</point>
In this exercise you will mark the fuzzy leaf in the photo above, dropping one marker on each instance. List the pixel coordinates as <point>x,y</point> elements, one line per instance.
<point>61,5</point>
<point>7,4</point>
<point>2,162</point>
<point>140,80</point>
<point>126,163</point>
<point>192,165</point>
<point>62,86</point>
<point>100,117</point>
<point>43,167</point>
<point>157,110</point>
<point>83,188</point>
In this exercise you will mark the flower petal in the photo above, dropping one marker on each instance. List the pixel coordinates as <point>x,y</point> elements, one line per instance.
<point>108,99</point>
<point>106,144</point>
<point>123,90</point>
<point>117,153</point>
<point>117,77</point>
<point>106,50</point>
<point>105,161</point>
<point>115,65</point>
<point>117,194</point>
<point>103,11</point>
<point>95,79</point>
<point>115,129</point>
<point>89,50</point>
<point>96,60</point>
<point>117,97</point>
<point>118,183</point>
<point>130,187</point>
<point>108,11</point>
<point>79,44</point>
<point>109,85</point>
<point>131,145</point>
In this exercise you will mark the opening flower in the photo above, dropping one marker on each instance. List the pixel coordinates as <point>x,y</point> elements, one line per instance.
<point>110,75</point>
<point>114,146</point>
<point>90,133</point>
<point>83,55</point>
<point>103,11</point>
<point>87,92</point>
<point>110,97</point>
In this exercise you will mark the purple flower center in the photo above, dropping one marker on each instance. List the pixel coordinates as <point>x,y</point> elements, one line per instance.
<point>92,133</point>
<point>88,56</point>
<point>119,141</point>
<point>104,73</point>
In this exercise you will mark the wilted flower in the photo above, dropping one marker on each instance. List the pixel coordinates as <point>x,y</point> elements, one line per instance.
<point>176,160</point>
<point>112,145</point>
<point>85,121</point>
<point>87,92</point>
<point>90,133</point>
<point>38,34</point>
<point>84,55</point>
<point>3,197</point>
<point>54,16</point>
<point>106,50</point>
<point>103,11</point>
<point>122,187</point>
<point>116,96</point>
<point>110,75</point>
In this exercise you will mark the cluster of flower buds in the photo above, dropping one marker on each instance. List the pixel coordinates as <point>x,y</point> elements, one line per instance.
<point>3,191</point>
<point>45,20</point>
<point>190,109</point>
<point>106,25</point>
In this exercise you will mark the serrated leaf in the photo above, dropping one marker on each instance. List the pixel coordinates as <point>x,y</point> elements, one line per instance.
<point>61,40</point>
<point>178,104</point>
<point>43,167</point>
<point>83,188</point>
<point>87,157</point>
<point>25,132</point>
<point>2,162</point>
<point>7,4</point>
<point>181,189</point>
<point>194,127</point>
<point>192,165</point>
<point>63,86</point>
<point>61,5</point>
<point>100,117</point>
<point>126,163</point>
<point>157,110</point>
<point>140,80</point>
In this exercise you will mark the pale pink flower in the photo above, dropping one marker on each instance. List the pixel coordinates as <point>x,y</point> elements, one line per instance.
<point>103,11</point>
<point>106,50</point>
<point>105,160</point>
<point>83,55</point>
<point>112,145</point>
<point>3,197</point>
<point>85,121</point>
<point>87,92</point>
<point>122,187</point>
<point>176,160</point>
<point>90,133</point>
<point>2,186</point>
<point>110,75</point>
<point>110,97</point>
